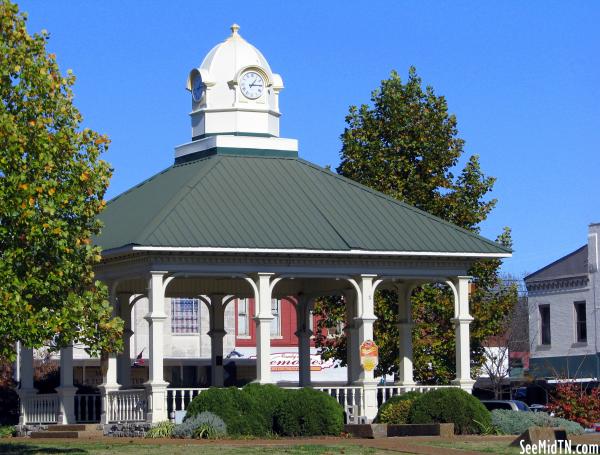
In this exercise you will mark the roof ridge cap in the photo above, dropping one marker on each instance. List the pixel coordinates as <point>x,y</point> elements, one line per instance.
<point>403,204</point>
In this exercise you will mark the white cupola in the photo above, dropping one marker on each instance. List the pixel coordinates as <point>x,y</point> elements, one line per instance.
<point>235,104</point>
<point>234,91</point>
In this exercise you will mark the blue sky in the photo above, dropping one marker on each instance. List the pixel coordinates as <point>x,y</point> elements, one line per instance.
<point>523,79</point>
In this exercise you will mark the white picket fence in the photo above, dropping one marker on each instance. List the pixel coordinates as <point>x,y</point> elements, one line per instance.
<point>126,406</point>
<point>40,409</point>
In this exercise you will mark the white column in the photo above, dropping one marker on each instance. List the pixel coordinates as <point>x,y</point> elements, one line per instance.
<point>124,358</point>
<point>352,342</point>
<point>66,391</point>
<point>26,388</point>
<point>405,344</point>
<point>108,366</point>
<point>262,319</point>
<point>26,368</point>
<point>216,333</point>
<point>17,363</point>
<point>303,332</point>
<point>156,385</point>
<point>461,320</point>
<point>364,323</point>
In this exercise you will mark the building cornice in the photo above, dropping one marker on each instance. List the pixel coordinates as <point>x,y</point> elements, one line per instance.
<point>558,284</point>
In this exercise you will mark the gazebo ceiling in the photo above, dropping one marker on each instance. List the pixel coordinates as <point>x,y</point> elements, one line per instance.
<point>251,203</point>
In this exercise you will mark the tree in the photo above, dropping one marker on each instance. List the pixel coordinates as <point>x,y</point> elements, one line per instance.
<point>513,339</point>
<point>52,184</point>
<point>406,145</point>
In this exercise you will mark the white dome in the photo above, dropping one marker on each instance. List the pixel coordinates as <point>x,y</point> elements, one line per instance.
<point>222,107</point>
<point>226,59</point>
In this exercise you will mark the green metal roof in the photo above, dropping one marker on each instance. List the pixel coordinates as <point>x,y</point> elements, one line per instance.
<point>245,201</point>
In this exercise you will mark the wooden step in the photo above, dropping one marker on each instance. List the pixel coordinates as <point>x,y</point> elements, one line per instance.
<point>73,431</point>
<point>71,427</point>
<point>54,434</point>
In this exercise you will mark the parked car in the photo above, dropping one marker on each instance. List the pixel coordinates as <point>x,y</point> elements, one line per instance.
<point>538,408</point>
<point>510,405</point>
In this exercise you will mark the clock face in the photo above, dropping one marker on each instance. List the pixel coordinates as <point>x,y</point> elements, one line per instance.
<point>197,88</point>
<point>252,85</point>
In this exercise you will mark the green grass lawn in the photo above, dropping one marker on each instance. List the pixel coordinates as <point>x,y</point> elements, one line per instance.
<point>22,447</point>
<point>500,447</point>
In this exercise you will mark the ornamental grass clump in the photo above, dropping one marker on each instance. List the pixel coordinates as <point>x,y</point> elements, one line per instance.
<point>451,405</point>
<point>516,422</point>
<point>205,425</point>
<point>396,409</point>
<point>161,430</point>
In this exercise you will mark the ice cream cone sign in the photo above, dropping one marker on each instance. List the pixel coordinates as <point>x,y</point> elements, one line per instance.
<point>369,355</point>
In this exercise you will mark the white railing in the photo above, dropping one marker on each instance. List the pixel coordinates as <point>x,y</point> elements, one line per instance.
<point>385,392</point>
<point>130,405</point>
<point>87,408</point>
<point>40,409</point>
<point>178,399</point>
<point>350,397</point>
<point>126,406</point>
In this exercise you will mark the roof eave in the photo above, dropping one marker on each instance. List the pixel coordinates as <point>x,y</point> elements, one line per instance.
<point>299,251</point>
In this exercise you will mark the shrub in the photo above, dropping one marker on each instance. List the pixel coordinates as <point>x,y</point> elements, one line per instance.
<point>307,412</point>
<point>6,431</point>
<point>516,422</point>
<point>239,410</point>
<point>161,430</point>
<point>204,425</point>
<point>268,398</point>
<point>575,402</point>
<point>395,410</point>
<point>451,405</point>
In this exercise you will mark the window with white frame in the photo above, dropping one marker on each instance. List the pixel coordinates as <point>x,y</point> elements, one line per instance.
<point>580,323</point>
<point>184,315</point>
<point>243,321</point>
<point>276,322</point>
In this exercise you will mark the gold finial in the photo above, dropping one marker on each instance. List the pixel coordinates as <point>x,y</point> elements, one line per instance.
<point>234,29</point>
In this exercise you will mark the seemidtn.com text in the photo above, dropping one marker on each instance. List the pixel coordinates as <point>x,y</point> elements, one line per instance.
<point>558,447</point>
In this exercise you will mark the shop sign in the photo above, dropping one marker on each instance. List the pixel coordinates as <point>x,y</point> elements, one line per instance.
<point>369,355</point>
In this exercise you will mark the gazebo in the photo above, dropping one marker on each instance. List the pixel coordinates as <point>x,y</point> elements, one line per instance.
<point>239,214</point>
